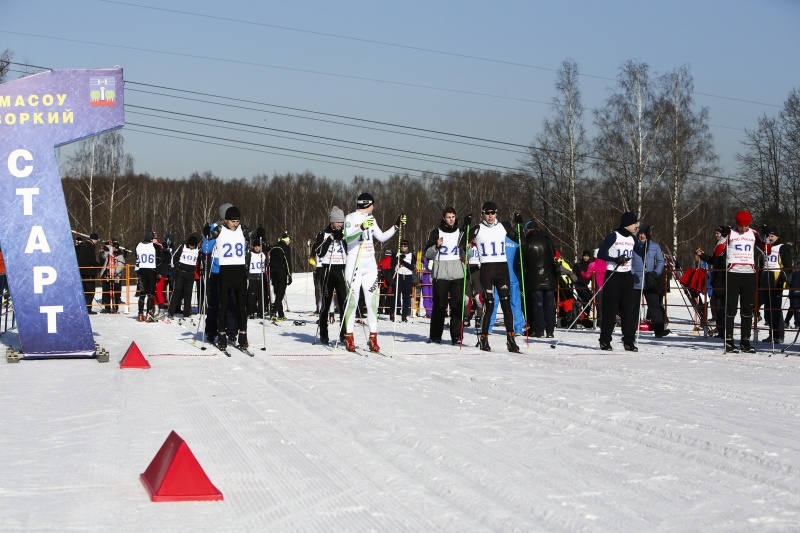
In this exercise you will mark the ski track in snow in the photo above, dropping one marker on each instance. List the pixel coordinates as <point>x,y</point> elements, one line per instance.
<point>676,437</point>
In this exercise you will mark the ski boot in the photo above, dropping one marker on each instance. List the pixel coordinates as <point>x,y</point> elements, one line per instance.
<point>372,343</point>
<point>150,317</point>
<point>730,347</point>
<point>478,322</point>
<point>605,346</point>
<point>630,347</point>
<point>511,343</point>
<point>241,341</point>
<point>349,343</point>
<point>222,340</point>
<point>483,343</point>
<point>744,344</point>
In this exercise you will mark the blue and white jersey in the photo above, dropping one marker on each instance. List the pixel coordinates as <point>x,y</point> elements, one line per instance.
<point>491,243</point>
<point>772,260</point>
<point>449,250</point>
<point>231,247</point>
<point>145,255</point>
<point>257,263</point>
<point>741,251</point>
<point>188,256</point>
<point>474,256</point>
<point>335,255</point>
<point>621,246</point>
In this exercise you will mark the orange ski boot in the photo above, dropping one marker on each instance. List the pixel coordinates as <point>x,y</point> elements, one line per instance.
<point>349,343</point>
<point>373,343</point>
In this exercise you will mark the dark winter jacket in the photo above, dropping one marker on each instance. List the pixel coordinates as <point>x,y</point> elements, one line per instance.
<point>87,257</point>
<point>538,257</point>
<point>280,259</point>
<point>717,262</point>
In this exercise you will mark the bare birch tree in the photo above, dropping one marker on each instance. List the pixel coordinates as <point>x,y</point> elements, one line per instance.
<point>761,169</point>
<point>687,150</point>
<point>558,160</point>
<point>627,142</point>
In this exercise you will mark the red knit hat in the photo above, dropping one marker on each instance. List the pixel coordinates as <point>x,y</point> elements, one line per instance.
<point>743,218</point>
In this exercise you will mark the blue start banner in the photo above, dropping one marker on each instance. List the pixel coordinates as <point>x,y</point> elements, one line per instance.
<point>37,114</point>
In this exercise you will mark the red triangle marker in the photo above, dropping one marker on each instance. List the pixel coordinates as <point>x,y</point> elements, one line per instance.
<point>174,475</point>
<point>133,358</point>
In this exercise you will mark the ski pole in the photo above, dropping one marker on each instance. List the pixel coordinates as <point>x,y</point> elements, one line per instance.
<point>263,314</point>
<point>524,295</point>
<point>323,312</point>
<point>397,284</point>
<point>641,289</point>
<point>464,268</point>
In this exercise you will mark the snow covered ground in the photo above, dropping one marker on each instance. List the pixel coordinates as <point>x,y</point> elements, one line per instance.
<point>676,437</point>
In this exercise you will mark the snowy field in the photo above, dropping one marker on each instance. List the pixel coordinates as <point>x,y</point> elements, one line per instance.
<point>676,437</point>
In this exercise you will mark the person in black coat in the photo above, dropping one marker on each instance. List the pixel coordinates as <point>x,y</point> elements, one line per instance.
<point>717,260</point>
<point>280,273</point>
<point>89,264</point>
<point>538,258</point>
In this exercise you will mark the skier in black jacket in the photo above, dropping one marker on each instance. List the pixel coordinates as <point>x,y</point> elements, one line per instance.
<point>89,264</point>
<point>538,254</point>
<point>280,272</point>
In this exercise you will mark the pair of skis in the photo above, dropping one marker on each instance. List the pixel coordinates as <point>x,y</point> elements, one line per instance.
<point>227,353</point>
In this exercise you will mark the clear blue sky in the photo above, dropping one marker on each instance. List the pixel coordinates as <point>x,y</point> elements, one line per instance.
<point>471,68</point>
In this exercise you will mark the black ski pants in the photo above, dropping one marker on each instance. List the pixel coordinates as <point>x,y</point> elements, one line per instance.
<point>184,281</point>
<point>255,296</point>
<point>447,291</point>
<point>496,275</point>
<point>232,278</point>
<point>333,281</point>
<point>741,290</point>
<point>279,282</point>
<point>147,278</point>
<point>619,298</point>
<point>543,305</point>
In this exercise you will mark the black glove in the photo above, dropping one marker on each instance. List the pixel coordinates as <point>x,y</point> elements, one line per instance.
<point>468,220</point>
<point>518,219</point>
<point>289,280</point>
<point>261,233</point>
<point>206,230</point>
<point>621,260</point>
<point>764,230</point>
<point>338,234</point>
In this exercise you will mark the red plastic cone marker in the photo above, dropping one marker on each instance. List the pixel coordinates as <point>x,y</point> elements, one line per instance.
<point>174,475</point>
<point>133,358</point>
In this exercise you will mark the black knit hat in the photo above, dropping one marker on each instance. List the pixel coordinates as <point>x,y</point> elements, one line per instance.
<point>627,219</point>
<point>774,230</point>
<point>489,206</point>
<point>365,200</point>
<point>233,213</point>
<point>192,240</point>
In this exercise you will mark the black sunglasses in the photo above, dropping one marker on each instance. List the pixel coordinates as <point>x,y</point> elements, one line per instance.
<point>492,212</point>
